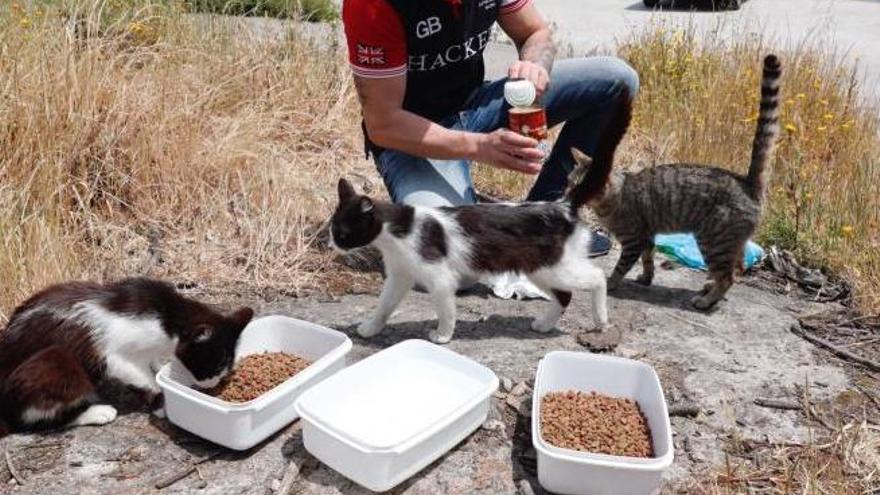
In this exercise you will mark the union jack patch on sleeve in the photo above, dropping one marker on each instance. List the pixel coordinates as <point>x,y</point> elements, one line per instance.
<point>370,54</point>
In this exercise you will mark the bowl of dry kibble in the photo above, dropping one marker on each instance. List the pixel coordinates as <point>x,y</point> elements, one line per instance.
<point>599,425</point>
<point>277,359</point>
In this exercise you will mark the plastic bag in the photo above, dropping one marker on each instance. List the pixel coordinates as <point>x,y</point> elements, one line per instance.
<point>683,249</point>
<point>511,285</point>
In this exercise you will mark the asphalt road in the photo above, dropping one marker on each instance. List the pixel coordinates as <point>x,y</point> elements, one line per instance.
<point>851,26</point>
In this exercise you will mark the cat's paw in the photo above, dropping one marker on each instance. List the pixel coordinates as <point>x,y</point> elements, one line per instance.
<point>612,283</point>
<point>703,302</point>
<point>542,325</point>
<point>707,288</point>
<point>368,329</point>
<point>645,279</point>
<point>100,414</point>
<point>159,413</point>
<point>438,336</point>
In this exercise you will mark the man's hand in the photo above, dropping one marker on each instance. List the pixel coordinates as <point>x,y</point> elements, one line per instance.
<point>504,148</point>
<point>531,33</point>
<point>523,69</point>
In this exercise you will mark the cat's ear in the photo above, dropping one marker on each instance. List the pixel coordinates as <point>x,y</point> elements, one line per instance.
<point>202,332</point>
<point>345,189</point>
<point>366,204</point>
<point>241,317</point>
<point>581,158</point>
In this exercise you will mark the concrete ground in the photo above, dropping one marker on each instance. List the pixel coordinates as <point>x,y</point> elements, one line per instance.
<point>721,362</point>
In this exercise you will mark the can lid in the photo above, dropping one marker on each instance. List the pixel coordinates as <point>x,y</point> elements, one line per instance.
<point>519,92</point>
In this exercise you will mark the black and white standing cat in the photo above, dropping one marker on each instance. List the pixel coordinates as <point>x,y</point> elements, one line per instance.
<point>439,247</point>
<point>63,341</point>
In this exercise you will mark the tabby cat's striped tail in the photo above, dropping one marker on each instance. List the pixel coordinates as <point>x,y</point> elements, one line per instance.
<point>768,128</point>
<point>588,184</point>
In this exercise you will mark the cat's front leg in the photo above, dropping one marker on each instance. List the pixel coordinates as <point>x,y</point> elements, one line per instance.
<point>444,303</point>
<point>157,406</point>
<point>152,401</point>
<point>647,276</point>
<point>632,249</point>
<point>395,288</point>
<point>132,373</point>
<point>548,321</point>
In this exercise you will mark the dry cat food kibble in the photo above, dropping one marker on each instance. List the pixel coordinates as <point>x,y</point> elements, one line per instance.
<point>257,374</point>
<point>592,422</point>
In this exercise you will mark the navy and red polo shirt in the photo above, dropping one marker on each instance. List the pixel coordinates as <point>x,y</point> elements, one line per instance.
<point>438,44</point>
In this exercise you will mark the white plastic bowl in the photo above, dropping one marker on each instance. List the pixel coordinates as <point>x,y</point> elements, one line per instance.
<point>383,419</point>
<point>570,472</point>
<point>240,426</point>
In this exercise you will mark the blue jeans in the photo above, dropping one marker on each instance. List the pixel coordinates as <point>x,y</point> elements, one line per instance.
<point>581,94</point>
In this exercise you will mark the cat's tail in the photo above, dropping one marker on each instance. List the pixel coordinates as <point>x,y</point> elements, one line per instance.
<point>767,130</point>
<point>591,182</point>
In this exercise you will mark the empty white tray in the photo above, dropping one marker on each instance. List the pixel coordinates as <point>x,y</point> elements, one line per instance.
<point>383,419</point>
<point>571,472</point>
<point>240,426</point>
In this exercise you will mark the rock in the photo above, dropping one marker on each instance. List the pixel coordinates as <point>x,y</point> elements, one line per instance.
<point>506,384</point>
<point>514,401</point>
<point>604,341</point>
<point>519,389</point>
<point>525,488</point>
<point>493,425</point>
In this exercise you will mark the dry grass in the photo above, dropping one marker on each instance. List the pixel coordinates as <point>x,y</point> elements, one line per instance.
<point>142,141</point>
<point>153,143</point>
<point>841,458</point>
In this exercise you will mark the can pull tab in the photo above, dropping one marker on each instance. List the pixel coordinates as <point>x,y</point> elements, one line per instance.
<point>519,92</point>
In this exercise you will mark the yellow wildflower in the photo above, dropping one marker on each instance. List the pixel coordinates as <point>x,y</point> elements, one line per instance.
<point>800,96</point>
<point>24,22</point>
<point>847,230</point>
<point>828,116</point>
<point>790,127</point>
<point>822,128</point>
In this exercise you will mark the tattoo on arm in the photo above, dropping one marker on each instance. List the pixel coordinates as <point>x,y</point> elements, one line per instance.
<point>540,49</point>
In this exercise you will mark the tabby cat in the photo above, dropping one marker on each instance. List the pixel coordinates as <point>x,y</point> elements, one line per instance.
<point>721,208</point>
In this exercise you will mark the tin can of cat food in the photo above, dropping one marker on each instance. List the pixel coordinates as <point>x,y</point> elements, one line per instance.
<point>524,116</point>
<point>529,121</point>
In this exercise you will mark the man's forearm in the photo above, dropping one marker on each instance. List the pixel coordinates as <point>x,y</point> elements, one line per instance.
<point>407,132</point>
<point>540,49</point>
